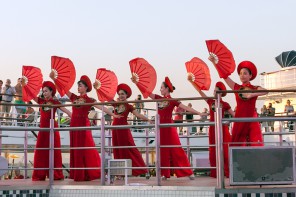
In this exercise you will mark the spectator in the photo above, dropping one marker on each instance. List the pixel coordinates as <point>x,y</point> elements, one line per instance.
<point>18,99</point>
<point>264,113</point>
<point>271,113</point>
<point>289,109</point>
<point>18,174</point>
<point>203,118</point>
<point>62,100</point>
<point>138,107</point>
<point>7,97</point>
<point>1,84</point>
<point>30,113</point>
<point>93,116</point>
<point>179,117</point>
<point>189,118</point>
<point>108,118</point>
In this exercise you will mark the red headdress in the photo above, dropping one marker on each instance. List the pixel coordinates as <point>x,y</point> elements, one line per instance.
<point>87,81</point>
<point>249,65</point>
<point>221,86</point>
<point>126,88</point>
<point>51,85</point>
<point>169,84</point>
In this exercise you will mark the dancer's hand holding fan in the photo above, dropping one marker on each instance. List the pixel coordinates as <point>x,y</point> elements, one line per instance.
<point>63,73</point>
<point>143,75</point>
<point>31,82</point>
<point>198,73</point>
<point>221,57</point>
<point>105,84</point>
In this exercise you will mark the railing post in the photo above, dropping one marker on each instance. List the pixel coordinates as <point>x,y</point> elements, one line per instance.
<point>188,144</point>
<point>26,149</point>
<point>157,147</point>
<point>280,133</point>
<point>109,143</point>
<point>103,147</point>
<point>0,136</point>
<point>294,128</point>
<point>219,144</point>
<point>51,149</point>
<point>216,149</point>
<point>147,149</point>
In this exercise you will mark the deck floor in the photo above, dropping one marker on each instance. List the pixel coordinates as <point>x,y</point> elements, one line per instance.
<point>200,181</point>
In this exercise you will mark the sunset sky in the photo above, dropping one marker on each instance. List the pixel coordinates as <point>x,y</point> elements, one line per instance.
<point>107,34</point>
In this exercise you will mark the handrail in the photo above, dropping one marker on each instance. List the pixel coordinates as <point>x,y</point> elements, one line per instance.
<point>157,125</point>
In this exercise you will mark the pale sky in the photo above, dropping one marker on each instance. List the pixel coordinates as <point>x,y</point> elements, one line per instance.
<point>107,34</point>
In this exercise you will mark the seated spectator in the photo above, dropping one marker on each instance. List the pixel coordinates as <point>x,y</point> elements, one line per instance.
<point>30,112</point>
<point>18,174</point>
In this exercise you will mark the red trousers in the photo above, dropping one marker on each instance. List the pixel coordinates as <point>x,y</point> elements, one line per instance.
<point>84,158</point>
<point>41,157</point>
<point>123,137</point>
<point>212,150</point>
<point>173,157</point>
<point>247,134</point>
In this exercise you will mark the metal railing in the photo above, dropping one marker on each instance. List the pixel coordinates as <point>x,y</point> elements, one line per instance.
<point>219,121</point>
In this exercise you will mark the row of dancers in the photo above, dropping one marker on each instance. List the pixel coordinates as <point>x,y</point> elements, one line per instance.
<point>243,134</point>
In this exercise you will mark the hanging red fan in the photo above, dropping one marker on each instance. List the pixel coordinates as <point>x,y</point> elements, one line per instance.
<point>107,82</point>
<point>144,74</point>
<point>64,73</point>
<point>224,61</point>
<point>31,82</point>
<point>198,73</point>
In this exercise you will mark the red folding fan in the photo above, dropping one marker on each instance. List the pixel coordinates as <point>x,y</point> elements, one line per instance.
<point>31,82</point>
<point>199,73</point>
<point>224,61</point>
<point>64,73</point>
<point>144,75</point>
<point>107,84</point>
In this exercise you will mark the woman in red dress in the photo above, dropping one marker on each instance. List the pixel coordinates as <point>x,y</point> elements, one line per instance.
<point>226,135</point>
<point>171,157</point>
<point>41,157</point>
<point>123,137</point>
<point>82,158</point>
<point>245,133</point>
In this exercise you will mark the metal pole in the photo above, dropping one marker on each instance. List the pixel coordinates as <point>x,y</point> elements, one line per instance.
<point>294,123</point>
<point>109,143</point>
<point>147,150</point>
<point>216,150</point>
<point>188,144</point>
<point>103,147</point>
<point>51,149</point>
<point>0,138</point>
<point>280,133</point>
<point>157,148</point>
<point>26,150</point>
<point>219,143</point>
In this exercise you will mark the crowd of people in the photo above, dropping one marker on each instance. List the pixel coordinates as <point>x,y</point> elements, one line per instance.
<point>269,111</point>
<point>13,95</point>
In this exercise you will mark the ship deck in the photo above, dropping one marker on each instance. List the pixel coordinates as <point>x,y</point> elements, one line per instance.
<point>140,186</point>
